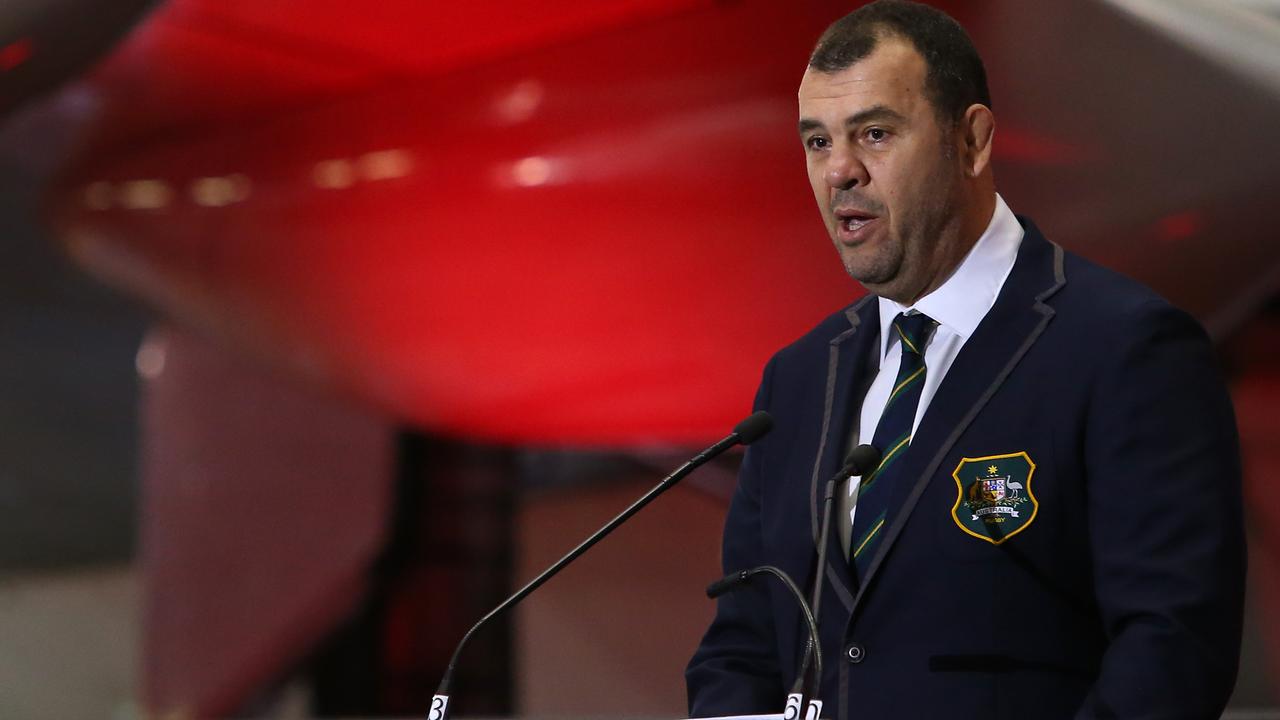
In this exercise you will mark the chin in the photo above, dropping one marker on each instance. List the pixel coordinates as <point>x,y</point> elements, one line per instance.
<point>868,271</point>
<point>875,282</point>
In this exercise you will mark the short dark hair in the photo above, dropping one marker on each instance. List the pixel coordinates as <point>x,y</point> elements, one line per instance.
<point>955,77</point>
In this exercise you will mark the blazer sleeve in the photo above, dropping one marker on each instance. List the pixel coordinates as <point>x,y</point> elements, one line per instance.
<point>735,669</point>
<point>1165,522</point>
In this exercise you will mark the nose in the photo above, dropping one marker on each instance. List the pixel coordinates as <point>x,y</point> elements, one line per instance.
<point>845,170</point>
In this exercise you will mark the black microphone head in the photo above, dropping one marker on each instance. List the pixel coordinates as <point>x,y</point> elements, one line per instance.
<point>754,427</point>
<point>727,583</point>
<point>860,461</point>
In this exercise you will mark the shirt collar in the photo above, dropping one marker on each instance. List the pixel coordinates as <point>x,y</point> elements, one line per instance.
<point>961,302</point>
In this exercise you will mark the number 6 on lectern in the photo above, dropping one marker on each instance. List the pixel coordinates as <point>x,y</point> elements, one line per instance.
<point>793,708</point>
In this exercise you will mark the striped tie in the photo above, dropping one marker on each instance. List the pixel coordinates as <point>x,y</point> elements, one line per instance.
<point>892,438</point>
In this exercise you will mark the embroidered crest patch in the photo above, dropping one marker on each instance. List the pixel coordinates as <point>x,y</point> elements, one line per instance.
<point>993,498</point>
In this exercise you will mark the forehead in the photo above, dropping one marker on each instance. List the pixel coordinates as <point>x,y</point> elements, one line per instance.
<point>892,75</point>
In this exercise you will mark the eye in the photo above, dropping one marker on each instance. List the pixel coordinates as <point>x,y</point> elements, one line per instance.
<point>817,142</point>
<point>877,135</point>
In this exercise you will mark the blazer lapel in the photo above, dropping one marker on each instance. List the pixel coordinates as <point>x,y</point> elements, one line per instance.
<point>1009,329</point>
<point>849,373</point>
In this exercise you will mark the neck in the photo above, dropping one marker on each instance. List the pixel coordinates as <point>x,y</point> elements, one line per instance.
<point>963,233</point>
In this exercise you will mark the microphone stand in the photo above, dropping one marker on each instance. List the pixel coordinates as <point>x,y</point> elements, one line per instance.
<point>746,432</point>
<point>861,460</point>
<point>742,577</point>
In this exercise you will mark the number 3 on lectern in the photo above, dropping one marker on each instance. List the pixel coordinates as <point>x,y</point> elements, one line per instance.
<point>438,704</point>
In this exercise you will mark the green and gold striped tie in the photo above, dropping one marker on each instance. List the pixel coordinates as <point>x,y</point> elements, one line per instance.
<point>892,438</point>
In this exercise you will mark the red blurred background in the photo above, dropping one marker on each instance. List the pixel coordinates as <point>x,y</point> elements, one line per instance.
<point>432,288</point>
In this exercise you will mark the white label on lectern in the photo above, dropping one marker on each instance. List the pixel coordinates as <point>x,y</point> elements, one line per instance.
<point>793,708</point>
<point>438,705</point>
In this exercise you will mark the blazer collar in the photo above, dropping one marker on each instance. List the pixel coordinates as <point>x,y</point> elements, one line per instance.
<point>851,364</point>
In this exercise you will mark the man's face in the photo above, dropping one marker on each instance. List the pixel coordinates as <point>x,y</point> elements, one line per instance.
<point>882,168</point>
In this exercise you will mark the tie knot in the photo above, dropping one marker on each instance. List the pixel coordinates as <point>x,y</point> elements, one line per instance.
<point>913,330</point>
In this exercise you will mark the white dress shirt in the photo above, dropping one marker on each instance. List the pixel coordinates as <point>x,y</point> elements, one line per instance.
<point>958,305</point>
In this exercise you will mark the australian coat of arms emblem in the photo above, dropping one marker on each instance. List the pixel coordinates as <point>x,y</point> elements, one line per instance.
<point>994,500</point>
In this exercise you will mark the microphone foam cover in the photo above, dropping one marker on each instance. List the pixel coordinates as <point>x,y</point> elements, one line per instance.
<point>754,427</point>
<point>861,460</point>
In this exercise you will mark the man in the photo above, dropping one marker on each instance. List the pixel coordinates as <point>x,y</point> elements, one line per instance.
<point>1055,529</point>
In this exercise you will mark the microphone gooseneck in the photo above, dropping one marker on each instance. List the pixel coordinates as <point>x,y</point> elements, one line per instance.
<point>733,581</point>
<point>746,432</point>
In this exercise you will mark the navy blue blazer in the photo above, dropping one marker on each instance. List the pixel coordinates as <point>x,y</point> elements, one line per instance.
<point>1108,580</point>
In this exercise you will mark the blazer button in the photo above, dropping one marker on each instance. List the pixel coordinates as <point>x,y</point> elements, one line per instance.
<point>855,653</point>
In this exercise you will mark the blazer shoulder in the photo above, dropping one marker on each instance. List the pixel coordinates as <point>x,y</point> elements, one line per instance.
<point>1108,301</point>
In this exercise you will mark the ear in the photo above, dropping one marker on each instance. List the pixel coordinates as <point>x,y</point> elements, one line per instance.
<point>977,128</point>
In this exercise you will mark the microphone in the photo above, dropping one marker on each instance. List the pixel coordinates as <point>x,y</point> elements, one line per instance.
<point>753,427</point>
<point>746,432</point>
<point>861,460</point>
<point>796,700</point>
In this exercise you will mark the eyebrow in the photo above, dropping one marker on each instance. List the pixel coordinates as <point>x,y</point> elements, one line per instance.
<point>875,112</point>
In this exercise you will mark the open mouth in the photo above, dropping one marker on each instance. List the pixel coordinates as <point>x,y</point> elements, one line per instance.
<point>852,221</point>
